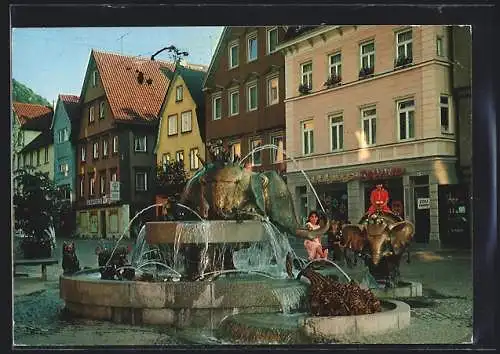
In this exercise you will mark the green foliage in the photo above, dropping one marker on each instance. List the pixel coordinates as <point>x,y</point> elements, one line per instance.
<point>38,203</point>
<point>22,93</point>
<point>171,179</point>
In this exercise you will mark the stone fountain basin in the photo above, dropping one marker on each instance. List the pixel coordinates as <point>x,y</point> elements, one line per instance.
<point>179,304</point>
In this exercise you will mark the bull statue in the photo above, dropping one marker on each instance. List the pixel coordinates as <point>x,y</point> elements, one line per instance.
<point>226,190</point>
<point>381,239</point>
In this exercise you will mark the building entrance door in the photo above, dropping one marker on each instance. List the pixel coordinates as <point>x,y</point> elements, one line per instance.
<point>103,223</point>
<point>422,214</point>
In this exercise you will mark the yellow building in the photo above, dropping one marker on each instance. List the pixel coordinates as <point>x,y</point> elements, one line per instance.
<point>182,123</point>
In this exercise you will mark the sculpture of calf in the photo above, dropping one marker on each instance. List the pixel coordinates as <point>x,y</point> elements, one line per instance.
<point>70,263</point>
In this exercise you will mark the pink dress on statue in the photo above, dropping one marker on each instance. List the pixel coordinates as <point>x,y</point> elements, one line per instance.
<point>313,247</point>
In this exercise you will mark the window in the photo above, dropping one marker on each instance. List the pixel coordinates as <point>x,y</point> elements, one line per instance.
<point>307,137</point>
<point>252,97</point>
<point>367,59</point>
<point>256,157</point>
<point>186,121</point>
<point>46,153</point>
<point>273,91</point>
<point>95,153</point>
<point>233,55</point>
<point>101,110</point>
<point>140,144</point>
<point>20,138</point>
<point>63,135</point>
<point>406,119</point>
<point>235,149</point>
<point>165,158</point>
<point>277,156</point>
<point>83,153</point>
<point>369,125</point>
<point>445,114</point>
<point>216,108</point>
<point>38,159</point>
<point>337,131</point>
<point>82,186</point>
<point>64,169</point>
<point>272,40</point>
<point>306,74</point>
<point>115,144</point>
<point>193,159</point>
<point>335,65</point>
<point>172,124</point>
<point>92,185</point>
<point>102,183</point>
<point>91,114</point>
<point>19,163</point>
<point>404,45</point>
<point>32,158</point>
<point>439,46</point>
<point>141,181</point>
<point>234,102</point>
<point>178,94</point>
<point>114,176</point>
<point>105,147</point>
<point>252,47</point>
<point>179,156</point>
<point>94,78</point>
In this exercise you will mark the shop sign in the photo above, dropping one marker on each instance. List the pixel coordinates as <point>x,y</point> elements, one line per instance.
<point>379,173</point>
<point>114,188</point>
<point>423,203</point>
<point>98,201</point>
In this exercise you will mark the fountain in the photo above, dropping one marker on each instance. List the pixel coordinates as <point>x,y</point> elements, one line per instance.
<point>225,257</point>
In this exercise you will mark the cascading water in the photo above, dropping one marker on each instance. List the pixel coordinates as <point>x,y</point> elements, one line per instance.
<point>290,298</point>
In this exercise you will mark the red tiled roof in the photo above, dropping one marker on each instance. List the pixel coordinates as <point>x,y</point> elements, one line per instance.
<point>129,99</point>
<point>27,112</point>
<point>69,98</point>
<point>72,104</point>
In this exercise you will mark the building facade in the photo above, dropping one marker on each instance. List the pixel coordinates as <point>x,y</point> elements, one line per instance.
<point>244,92</point>
<point>119,105</point>
<point>369,103</point>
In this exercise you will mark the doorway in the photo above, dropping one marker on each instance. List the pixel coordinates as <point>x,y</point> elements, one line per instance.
<point>103,223</point>
<point>422,213</point>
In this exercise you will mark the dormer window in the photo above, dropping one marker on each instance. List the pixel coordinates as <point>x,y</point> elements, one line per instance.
<point>234,50</point>
<point>178,94</point>
<point>91,114</point>
<point>101,110</point>
<point>94,78</point>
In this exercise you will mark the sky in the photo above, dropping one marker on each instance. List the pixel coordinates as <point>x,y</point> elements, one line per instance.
<point>53,61</point>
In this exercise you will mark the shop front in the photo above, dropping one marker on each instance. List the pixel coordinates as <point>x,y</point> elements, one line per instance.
<point>102,219</point>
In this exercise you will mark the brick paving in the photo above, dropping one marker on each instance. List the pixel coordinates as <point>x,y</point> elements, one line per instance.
<point>442,315</point>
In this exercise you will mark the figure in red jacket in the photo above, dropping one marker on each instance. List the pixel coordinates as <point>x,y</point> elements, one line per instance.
<point>379,199</point>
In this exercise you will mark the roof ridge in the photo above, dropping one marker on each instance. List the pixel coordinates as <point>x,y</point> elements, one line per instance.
<point>132,57</point>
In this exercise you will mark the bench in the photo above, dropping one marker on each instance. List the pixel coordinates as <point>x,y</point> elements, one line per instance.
<point>33,262</point>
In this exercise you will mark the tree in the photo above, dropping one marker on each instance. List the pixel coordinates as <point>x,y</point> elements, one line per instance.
<point>171,179</point>
<point>22,93</point>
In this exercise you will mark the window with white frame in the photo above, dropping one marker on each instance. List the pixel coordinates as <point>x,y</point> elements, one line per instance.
<point>335,65</point>
<point>94,78</point>
<point>101,110</point>
<point>114,176</point>
<point>179,95</point>
<point>140,143</point>
<point>369,125</point>
<point>46,154</point>
<point>273,91</point>
<point>91,114</point>
<point>95,151</point>
<point>115,144</point>
<point>165,159</point>
<point>234,50</point>
<point>406,119</point>
<point>256,158</point>
<point>367,55</point>
<point>252,96</point>
<point>82,186</point>
<point>444,105</point>
<point>235,149</point>
<point>186,122</point>
<point>102,184</point>
<point>277,156</point>
<point>404,45</point>
<point>272,40</point>
<point>105,147</point>
<point>63,135</point>
<point>92,185</point>
<point>439,46</point>
<point>337,131</point>
<point>307,137</point>
<point>66,170</point>
<point>141,181</point>
<point>179,156</point>
<point>83,153</point>
<point>193,159</point>
<point>252,47</point>
<point>306,74</point>
<point>172,124</point>
<point>234,102</point>
<point>216,107</point>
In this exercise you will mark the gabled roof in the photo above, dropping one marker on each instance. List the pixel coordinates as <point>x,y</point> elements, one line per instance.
<point>72,106</point>
<point>193,78</point>
<point>130,98</point>
<point>33,116</point>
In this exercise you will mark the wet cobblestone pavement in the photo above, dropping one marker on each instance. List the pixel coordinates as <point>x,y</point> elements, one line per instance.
<point>442,315</point>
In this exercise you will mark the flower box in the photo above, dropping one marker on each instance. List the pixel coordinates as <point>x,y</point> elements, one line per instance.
<point>402,62</point>
<point>304,89</point>
<point>333,80</point>
<point>366,72</point>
